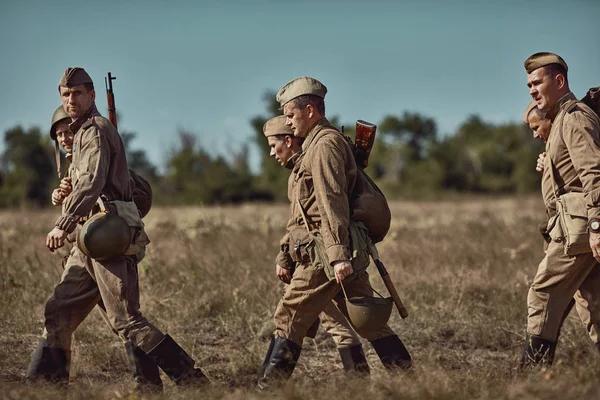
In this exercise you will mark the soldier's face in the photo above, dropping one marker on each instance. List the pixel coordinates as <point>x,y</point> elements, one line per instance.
<point>540,126</point>
<point>543,88</point>
<point>297,119</point>
<point>64,136</point>
<point>281,148</point>
<point>77,100</point>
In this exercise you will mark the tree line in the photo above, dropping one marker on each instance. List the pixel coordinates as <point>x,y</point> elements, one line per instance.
<point>409,160</point>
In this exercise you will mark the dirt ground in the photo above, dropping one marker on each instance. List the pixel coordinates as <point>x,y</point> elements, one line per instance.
<point>462,268</point>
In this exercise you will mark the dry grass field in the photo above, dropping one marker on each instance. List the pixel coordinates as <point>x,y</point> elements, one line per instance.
<point>462,267</point>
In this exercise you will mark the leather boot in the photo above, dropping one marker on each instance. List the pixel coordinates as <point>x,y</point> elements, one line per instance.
<point>312,331</point>
<point>280,364</point>
<point>537,352</point>
<point>392,352</point>
<point>176,363</point>
<point>354,360</point>
<point>49,363</point>
<point>262,368</point>
<point>145,372</point>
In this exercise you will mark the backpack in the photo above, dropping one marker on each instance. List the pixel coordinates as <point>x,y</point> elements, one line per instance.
<point>592,99</point>
<point>142,193</point>
<point>369,206</point>
<point>367,202</point>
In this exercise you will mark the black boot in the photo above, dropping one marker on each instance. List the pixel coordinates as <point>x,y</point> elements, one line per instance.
<point>354,360</point>
<point>49,363</point>
<point>176,363</point>
<point>280,364</point>
<point>262,368</point>
<point>537,352</point>
<point>392,352</point>
<point>145,372</point>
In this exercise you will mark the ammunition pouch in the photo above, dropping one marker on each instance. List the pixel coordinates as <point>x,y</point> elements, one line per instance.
<point>139,239</point>
<point>309,247</point>
<point>569,225</point>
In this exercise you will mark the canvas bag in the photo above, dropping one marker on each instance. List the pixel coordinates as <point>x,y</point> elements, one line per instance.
<point>142,193</point>
<point>570,224</point>
<point>368,204</point>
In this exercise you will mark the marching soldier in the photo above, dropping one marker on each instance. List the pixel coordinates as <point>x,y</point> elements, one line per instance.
<point>571,165</point>
<point>320,193</point>
<point>286,149</point>
<point>145,372</point>
<point>99,169</point>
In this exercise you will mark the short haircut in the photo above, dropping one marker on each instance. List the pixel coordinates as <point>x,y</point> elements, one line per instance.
<point>317,102</point>
<point>556,69</point>
<point>88,86</point>
<point>282,136</point>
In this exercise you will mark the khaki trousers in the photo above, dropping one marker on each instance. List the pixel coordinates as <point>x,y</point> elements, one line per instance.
<point>83,284</point>
<point>308,294</point>
<point>558,279</point>
<point>338,327</point>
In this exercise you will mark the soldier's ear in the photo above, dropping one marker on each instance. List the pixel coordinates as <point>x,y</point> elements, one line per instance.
<point>311,110</point>
<point>560,81</point>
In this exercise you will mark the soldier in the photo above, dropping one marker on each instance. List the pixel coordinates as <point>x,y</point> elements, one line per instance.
<point>98,168</point>
<point>286,148</point>
<point>572,164</point>
<point>321,190</point>
<point>145,372</point>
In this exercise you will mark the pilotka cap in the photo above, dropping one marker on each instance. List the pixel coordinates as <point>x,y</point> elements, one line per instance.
<point>276,126</point>
<point>73,77</point>
<point>542,59</point>
<point>528,110</point>
<point>298,87</point>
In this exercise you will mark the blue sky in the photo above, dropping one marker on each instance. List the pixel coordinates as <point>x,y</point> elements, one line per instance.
<point>204,65</point>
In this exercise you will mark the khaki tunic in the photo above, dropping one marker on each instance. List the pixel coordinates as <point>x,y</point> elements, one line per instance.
<point>98,166</point>
<point>573,147</point>
<point>323,181</point>
<point>332,319</point>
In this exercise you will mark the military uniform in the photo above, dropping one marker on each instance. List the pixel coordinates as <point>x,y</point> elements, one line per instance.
<point>321,188</point>
<point>572,164</point>
<point>99,167</point>
<point>345,338</point>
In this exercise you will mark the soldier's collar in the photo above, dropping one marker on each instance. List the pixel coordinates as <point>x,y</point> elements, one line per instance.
<point>323,123</point>
<point>560,105</point>
<point>75,125</point>
<point>291,162</point>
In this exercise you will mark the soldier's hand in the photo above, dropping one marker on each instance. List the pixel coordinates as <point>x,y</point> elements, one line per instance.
<point>56,239</point>
<point>57,197</point>
<point>540,162</point>
<point>283,274</point>
<point>342,269</point>
<point>65,186</point>
<point>595,245</point>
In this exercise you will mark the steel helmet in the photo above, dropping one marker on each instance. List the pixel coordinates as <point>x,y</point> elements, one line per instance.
<point>104,236</point>
<point>369,314</point>
<point>58,116</point>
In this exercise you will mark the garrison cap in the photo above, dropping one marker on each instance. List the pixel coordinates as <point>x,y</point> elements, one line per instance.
<point>542,59</point>
<point>73,77</point>
<point>528,110</point>
<point>300,86</point>
<point>276,126</point>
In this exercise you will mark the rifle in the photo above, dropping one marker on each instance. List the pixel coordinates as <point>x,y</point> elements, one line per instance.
<point>110,98</point>
<point>388,283</point>
<point>365,138</point>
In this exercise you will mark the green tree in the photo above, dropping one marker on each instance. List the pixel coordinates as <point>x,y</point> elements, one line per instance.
<point>27,168</point>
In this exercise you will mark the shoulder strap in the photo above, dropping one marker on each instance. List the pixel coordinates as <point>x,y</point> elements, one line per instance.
<point>553,169</point>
